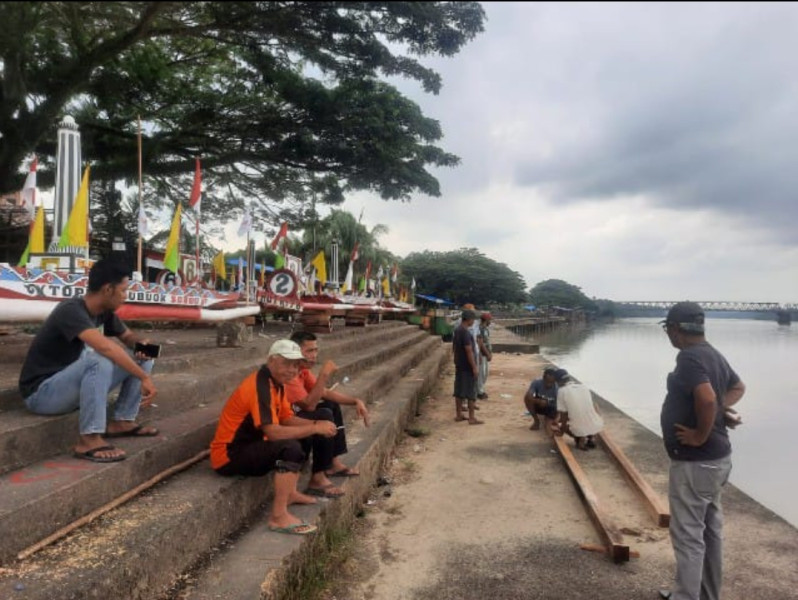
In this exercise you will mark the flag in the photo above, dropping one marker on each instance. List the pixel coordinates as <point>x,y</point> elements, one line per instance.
<point>279,261</point>
<point>195,200</point>
<point>361,284</point>
<point>413,284</point>
<point>368,271</point>
<point>240,272</point>
<point>386,286</point>
<point>347,287</point>
<point>321,267</point>
<point>29,189</point>
<point>171,259</point>
<point>36,239</point>
<point>394,273</point>
<point>355,254</point>
<point>219,267</point>
<point>379,273</point>
<point>280,235</point>
<point>263,272</point>
<point>246,223</point>
<point>76,231</point>
<point>144,227</point>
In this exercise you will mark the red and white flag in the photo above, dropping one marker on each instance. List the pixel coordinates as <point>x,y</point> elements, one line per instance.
<point>280,235</point>
<point>196,190</point>
<point>354,255</point>
<point>28,192</point>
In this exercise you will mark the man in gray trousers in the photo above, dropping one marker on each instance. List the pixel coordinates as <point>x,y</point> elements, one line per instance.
<point>694,419</point>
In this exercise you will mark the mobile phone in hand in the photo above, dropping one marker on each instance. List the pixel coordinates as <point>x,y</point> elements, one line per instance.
<point>149,350</point>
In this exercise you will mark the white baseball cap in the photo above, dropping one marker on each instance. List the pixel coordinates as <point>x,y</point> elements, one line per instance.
<point>286,349</point>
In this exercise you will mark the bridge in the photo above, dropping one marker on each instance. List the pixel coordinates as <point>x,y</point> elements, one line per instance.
<point>709,305</point>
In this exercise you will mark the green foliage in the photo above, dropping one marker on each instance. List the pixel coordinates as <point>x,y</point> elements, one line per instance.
<point>282,101</point>
<point>556,292</point>
<point>464,275</point>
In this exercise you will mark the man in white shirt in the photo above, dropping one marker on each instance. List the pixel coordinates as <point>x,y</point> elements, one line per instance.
<point>577,413</point>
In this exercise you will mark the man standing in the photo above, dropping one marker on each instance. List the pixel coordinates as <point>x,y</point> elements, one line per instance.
<point>697,409</point>
<point>541,399</point>
<point>306,403</point>
<point>485,354</point>
<point>258,433</point>
<point>73,364</point>
<point>466,370</point>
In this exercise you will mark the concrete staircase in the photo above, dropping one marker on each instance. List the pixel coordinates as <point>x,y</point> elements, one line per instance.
<point>147,546</point>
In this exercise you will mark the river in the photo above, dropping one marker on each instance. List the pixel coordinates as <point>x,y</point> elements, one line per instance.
<point>626,362</point>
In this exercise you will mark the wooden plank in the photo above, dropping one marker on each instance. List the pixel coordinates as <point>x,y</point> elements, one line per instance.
<point>603,549</point>
<point>653,502</point>
<point>608,531</point>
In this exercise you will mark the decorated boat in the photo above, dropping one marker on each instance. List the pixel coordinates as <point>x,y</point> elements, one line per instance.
<point>29,295</point>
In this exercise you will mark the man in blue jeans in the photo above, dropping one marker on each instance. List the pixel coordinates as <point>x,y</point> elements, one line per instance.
<point>694,419</point>
<point>73,363</point>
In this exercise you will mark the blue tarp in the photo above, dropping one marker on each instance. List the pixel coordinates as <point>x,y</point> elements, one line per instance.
<point>530,307</point>
<point>434,299</point>
<point>233,262</point>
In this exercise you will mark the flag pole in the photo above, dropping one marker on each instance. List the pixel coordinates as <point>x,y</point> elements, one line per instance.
<point>138,263</point>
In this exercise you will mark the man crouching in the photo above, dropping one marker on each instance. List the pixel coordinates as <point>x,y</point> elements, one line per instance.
<point>258,432</point>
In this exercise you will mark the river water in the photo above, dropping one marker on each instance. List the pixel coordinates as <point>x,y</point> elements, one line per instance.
<point>626,362</point>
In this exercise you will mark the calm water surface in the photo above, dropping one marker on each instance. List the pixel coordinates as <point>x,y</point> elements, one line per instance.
<point>627,361</point>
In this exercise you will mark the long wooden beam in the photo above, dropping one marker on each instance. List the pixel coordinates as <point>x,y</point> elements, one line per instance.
<point>652,501</point>
<point>608,531</point>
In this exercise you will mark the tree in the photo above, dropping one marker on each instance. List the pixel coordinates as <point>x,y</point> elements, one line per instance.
<point>556,292</point>
<point>281,100</point>
<point>464,275</point>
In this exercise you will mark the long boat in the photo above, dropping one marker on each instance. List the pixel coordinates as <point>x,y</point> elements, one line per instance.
<point>29,295</point>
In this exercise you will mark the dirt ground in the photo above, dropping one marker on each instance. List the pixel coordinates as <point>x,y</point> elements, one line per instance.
<point>489,511</point>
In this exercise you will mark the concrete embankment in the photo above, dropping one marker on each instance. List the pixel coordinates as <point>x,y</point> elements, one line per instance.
<point>490,511</point>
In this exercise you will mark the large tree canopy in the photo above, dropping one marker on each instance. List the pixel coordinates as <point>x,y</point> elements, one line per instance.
<point>556,292</point>
<point>282,100</point>
<point>464,275</point>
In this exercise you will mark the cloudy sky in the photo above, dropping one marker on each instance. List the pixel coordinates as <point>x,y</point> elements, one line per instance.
<point>639,151</point>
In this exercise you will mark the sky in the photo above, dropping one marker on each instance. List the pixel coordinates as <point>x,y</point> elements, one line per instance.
<point>638,151</point>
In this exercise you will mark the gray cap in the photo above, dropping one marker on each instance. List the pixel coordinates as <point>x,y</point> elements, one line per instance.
<point>689,316</point>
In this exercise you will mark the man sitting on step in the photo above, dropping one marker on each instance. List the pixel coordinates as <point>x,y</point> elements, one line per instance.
<point>314,405</point>
<point>258,433</point>
<point>73,364</point>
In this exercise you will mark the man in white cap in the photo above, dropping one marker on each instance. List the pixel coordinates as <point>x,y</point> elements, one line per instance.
<point>696,412</point>
<point>258,433</point>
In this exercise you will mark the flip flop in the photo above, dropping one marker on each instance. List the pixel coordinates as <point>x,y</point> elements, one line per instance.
<point>294,529</point>
<point>324,492</point>
<point>345,472</point>
<point>137,431</point>
<point>92,455</point>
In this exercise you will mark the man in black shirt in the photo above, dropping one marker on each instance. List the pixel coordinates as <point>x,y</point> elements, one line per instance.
<point>465,368</point>
<point>72,363</point>
<point>694,419</point>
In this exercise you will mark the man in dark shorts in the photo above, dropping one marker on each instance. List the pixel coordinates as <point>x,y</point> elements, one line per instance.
<point>466,370</point>
<point>541,399</point>
<point>695,415</point>
<point>258,433</point>
<point>73,364</point>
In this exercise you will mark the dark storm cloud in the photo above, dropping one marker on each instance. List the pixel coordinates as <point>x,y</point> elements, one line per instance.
<point>703,117</point>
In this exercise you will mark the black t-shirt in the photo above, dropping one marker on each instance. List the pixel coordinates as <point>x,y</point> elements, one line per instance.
<point>462,339</point>
<point>57,344</point>
<point>696,364</point>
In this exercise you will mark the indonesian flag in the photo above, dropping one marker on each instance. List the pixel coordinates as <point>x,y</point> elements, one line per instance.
<point>280,235</point>
<point>196,190</point>
<point>246,223</point>
<point>28,192</point>
<point>354,256</point>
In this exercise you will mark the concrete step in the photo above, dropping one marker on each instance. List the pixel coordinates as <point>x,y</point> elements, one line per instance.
<point>57,490</point>
<point>26,438</point>
<point>141,549</point>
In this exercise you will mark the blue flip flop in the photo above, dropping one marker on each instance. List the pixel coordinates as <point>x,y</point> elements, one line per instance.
<point>295,529</point>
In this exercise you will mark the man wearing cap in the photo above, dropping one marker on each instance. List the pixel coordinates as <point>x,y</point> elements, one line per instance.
<point>697,410</point>
<point>484,352</point>
<point>466,370</point>
<point>541,399</point>
<point>258,432</point>
<point>578,416</point>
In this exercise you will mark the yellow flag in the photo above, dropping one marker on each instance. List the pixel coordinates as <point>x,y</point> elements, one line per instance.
<point>386,287</point>
<point>321,267</point>
<point>76,232</point>
<point>36,239</point>
<point>219,266</point>
<point>171,259</point>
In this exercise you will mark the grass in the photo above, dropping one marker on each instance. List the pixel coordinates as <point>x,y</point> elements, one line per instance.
<point>417,432</point>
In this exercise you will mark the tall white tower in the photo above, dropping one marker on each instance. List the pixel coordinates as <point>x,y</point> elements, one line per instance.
<point>67,175</point>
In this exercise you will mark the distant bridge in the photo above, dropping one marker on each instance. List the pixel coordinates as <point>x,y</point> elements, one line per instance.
<point>714,305</point>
